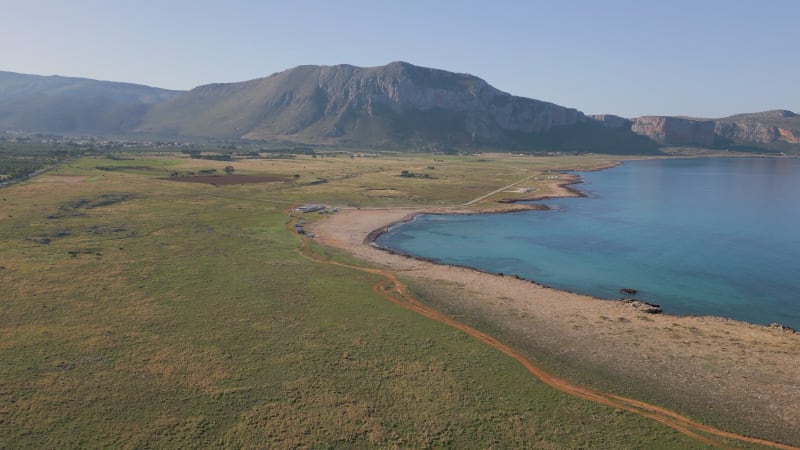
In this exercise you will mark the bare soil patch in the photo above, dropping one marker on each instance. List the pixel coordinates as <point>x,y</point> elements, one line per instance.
<point>224,180</point>
<point>58,178</point>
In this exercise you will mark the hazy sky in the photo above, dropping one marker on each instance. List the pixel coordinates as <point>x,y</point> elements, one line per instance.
<point>701,58</point>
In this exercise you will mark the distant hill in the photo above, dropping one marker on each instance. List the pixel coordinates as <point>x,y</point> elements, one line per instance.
<point>397,105</point>
<point>66,105</point>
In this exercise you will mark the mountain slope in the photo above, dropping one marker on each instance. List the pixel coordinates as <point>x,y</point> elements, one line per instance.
<point>394,105</point>
<point>64,104</point>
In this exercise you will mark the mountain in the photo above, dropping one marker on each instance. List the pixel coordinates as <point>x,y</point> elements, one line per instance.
<point>334,102</point>
<point>66,105</point>
<point>397,105</point>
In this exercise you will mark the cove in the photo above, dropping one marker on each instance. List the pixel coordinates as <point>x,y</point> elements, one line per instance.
<point>709,236</point>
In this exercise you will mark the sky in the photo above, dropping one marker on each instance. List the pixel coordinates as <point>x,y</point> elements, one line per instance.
<point>701,58</point>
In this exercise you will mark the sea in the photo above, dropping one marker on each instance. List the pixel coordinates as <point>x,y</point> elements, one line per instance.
<point>708,236</point>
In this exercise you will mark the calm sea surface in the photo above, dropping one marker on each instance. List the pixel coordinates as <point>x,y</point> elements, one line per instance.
<point>716,236</point>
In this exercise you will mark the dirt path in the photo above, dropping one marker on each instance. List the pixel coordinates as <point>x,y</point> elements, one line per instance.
<point>476,200</point>
<point>394,291</point>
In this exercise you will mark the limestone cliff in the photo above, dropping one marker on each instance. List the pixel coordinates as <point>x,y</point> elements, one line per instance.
<point>675,130</point>
<point>761,128</point>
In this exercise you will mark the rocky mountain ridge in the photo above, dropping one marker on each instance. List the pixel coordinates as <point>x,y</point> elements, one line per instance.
<point>775,128</point>
<point>398,105</point>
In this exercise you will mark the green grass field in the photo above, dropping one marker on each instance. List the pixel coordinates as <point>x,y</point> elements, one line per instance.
<point>140,312</point>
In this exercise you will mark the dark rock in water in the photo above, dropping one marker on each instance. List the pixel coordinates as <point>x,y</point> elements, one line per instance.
<point>649,308</point>
<point>629,291</point>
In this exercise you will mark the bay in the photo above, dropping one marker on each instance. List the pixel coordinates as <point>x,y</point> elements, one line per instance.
<point>710,236</point>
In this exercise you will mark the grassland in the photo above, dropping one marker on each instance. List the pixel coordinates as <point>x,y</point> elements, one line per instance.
<point>140,312</point>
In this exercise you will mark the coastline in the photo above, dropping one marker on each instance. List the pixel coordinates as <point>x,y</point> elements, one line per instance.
<point>373,222</point>
<point>680,358</point>
<point>562,186</point>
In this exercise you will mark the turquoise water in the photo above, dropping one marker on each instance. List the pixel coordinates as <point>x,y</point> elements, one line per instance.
<point>714,236</point>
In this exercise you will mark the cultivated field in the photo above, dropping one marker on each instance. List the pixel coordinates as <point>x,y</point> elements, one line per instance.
<point>141,312</point>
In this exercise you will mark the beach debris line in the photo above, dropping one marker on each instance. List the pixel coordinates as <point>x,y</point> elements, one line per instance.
<point>312,207</point>
<point>649,308</point>
<point>775,325</point>
<point>309,208</point>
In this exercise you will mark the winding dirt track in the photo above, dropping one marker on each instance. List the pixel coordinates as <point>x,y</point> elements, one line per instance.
<point>394,291</point>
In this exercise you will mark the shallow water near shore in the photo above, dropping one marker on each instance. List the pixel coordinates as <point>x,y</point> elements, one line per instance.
<point>712,236</point>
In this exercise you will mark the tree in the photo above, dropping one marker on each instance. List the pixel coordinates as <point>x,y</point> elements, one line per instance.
<point>229,169</point>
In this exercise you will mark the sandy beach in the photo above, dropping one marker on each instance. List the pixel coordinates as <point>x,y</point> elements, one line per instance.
<point>737,374</point>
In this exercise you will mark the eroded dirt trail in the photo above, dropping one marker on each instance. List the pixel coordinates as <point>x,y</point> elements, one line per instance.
<point>396,292</point>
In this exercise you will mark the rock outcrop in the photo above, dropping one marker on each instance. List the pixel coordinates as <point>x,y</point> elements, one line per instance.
<point>675,130</point>
<point>649,308</point>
